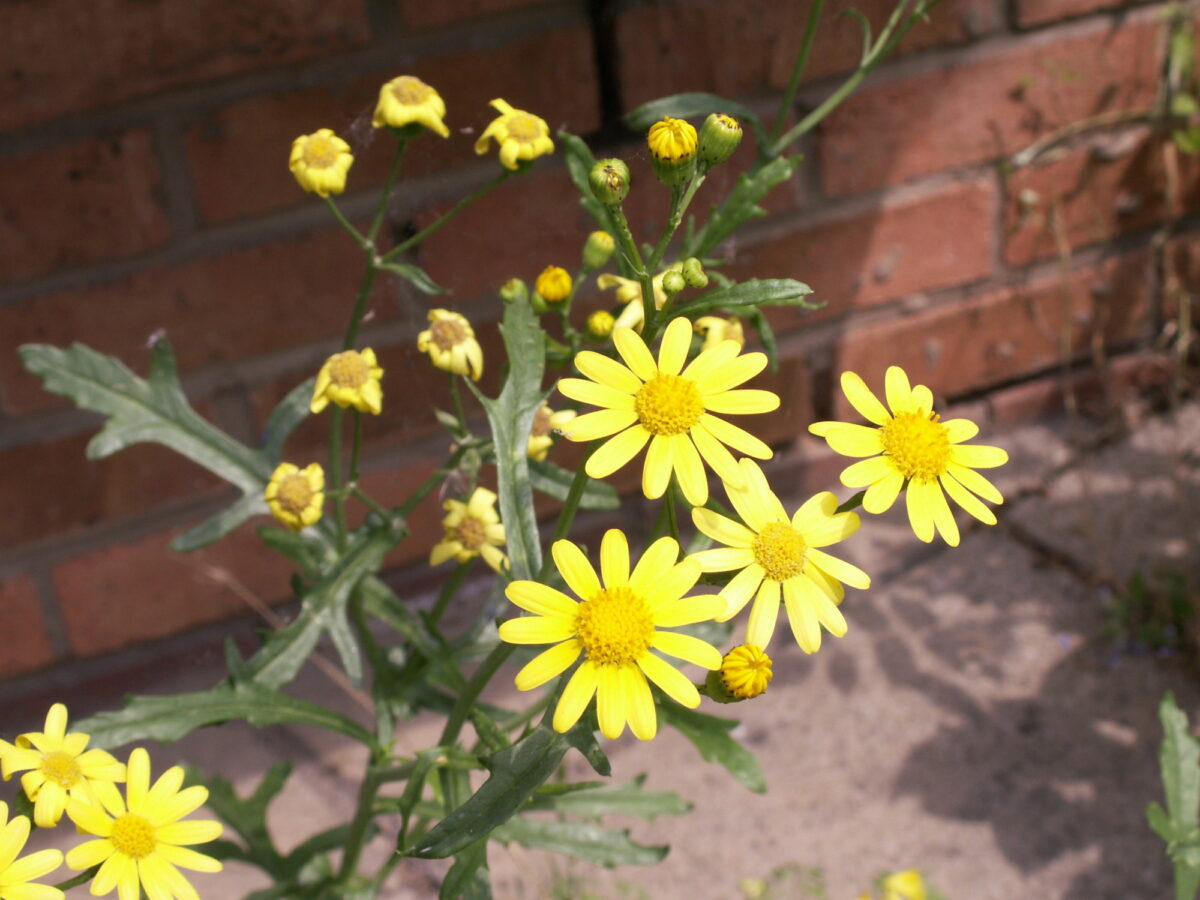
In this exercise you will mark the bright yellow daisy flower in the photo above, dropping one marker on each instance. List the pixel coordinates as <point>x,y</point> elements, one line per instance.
<point>320,162</point>
<point>141,839</point>
<point>296,496</point>
<point>629,292</point>
<point>407,99</point>
<point>778,555</point>
<point>615,628</point>
<point>911,447</point>
<point>450,342</point>
<point>16,875</point>
<point>472,529</point>
<point>670,407</point>
<point>349,378</point>
<point>59,767</point>
<point>545,422</point>
<point>521,135</point>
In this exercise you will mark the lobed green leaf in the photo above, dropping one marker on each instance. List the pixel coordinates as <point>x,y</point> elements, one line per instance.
<point>583,840</point>
<point>711,737</point>
<point>555,481</point>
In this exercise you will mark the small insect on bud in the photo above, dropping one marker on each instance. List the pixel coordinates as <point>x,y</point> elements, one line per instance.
<point>672,144</point>
<point>598,250</point>
<point>719,138</point>
<point>514,289</point>
<point>609,180</point>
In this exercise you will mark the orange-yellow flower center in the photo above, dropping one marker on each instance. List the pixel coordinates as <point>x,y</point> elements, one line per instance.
<point>133,836</point>
<point>411,91</point>
<point>746,671</point>
<point>470,533</point>
<point>541,422</point>
<point>523,127</point>
<point>780,550</point>
<point>447,333</point>
<point>295,493</point>
<point>917,444</point>
<point>615,627</point>
<point>668,404</point>
<point>349,370</point>
<point>320,152</point>
<point>60,768</point>
<point>672,139</point>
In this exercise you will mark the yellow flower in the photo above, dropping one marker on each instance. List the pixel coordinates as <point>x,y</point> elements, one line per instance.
<point>669,407</point>
<point>140,838</point>
<point>614,628</point>
<point>349,378</point>
<point>472,529</point>
<point>320,162</point>
<point>906,885</point>
<point>16,875</point>
<point>451,345</point>
<point>746,671</point>
<point>59,767</point>
<point>911,447</point>
<point>671,139</point>
<point>554,284</point>
<point>521,135</point>
<point>716,329</point>
<point>296,496</point>
<point>779,555</point>
<point>629,292</point>
<point>600,324</point>
<point>405,100</point>
<point>545,422</point>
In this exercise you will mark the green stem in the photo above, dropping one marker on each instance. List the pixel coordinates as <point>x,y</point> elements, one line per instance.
<point>363,243</point>
<point>355,448</point>
<point>82,878</point>
<point>478,681</point>
<point>672,513</point>
<point>405,509</point>
<point>360,305</point>
<point>459,412</point>
<point>401,146</point>
<point>449,589</point>
<point>375,505</point>
<point>335,475</point>
<point>358,826</point>
<point>634,258</point>
<point>454,211</point>
<point>566,516</point>
<point>789,95</point>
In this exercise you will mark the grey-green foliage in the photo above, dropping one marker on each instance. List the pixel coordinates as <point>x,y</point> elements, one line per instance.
<point>1179,823</point>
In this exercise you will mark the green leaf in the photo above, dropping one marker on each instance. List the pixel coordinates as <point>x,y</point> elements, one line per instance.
<point>694,106</point>
<point>1179,761</point>
<point>323,842</point>
<point>710,735</point>
<point>1187,140</point>
<point>248,818</point>
<point>511,417</point>
<point>468,877</point>
<point>583,840</point>
<point>217,526</point>
<point>579,161</point>
<point>766,334</point>
<point>169,718</point>
<point>865,24</point>
<point>555,481</point>
<point>746,295</point>
<point>516,773</point>
<point>291,411</point>
<point>741,205</point>
<point>1160,822</point>
<point>416,276</point>
<point>599,798</point>
<point>305,550</point>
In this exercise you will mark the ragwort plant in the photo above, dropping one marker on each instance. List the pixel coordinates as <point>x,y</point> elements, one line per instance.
<point>655,379</point>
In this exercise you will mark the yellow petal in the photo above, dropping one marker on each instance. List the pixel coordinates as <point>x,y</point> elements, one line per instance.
<point>742,402</point>
<point>610,702</point>
<point>722,529</point>
<point>541,599</point>
<point>688,648</point>
<point>676,341</point>
<point>882,494</point>
<point>596,394</point>
<point>920,510</point>
<point>658,558</point>
<point>832,530</point>
<point>850,440</point>
<point>740,589</point>
<point>668,585</point>
<point>732,373</point>
<point>193,831</point>
<point>943,517</point>
<point>635,353</point>
<point>594,425</point>
<point>689,611</point>
<point>656,474</point>
<point>867,471</point>
<point>978,456</point>
<point>575,569</point>
<point>547,665</point>
<point>689,470</point>
<point>723,559</point>
<point>959,430</point>
<point>576,696</point>
<point>763,614</point>
<point>863,399</point>
<point>536,630</point>
<point>643,721</point>
<point>614,558</point>
<point>839,569</point>
<point>737,438</point>
<point>709,362</point>
<point>974,482</point>
<point>607,371</point>
<point>616,452</point>
<point>899,392</point>
<point>802,618</point>
<point>89,853</point>
<point>674,683</point>
<point>815,513</point>
<point>967,500</point>
<point>718,458</point>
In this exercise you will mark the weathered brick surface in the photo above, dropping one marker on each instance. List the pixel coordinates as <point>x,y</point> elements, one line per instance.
<point>62,56</point>
<point>422,14</point>
<point>79,203</point>
<point>26,645</point>
<point>1042,12</point>
<point>238,153</point>
<point>987,105</point>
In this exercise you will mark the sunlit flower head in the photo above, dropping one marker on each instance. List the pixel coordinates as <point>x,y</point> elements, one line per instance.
<point>320,162</point>
<point>615,628</point>
<point>296,496</point>
<point>746,671</point>
<point>17,875</point>
<point>450,342</point>
<point>669,407</point>
<point>407,100</point>
<point>545,423</point>
<point>671,139</point>
<point>57,766</point>
<point>778,557</point>
<point>554,284</point>
<point>349,379</point>
<point>520,135</point>
<point>471,529</point>
<point>715,329</point>
<point>911,447</point>
<point>629,292</point>
<point>140,838</point>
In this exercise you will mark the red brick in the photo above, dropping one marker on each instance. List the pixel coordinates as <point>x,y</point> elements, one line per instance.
<point>987,105</point>
<point>238,153</point>
<point>128,593</point>
<point>976,344</point>
<point>26,645</point>
<point>79,203</point>
<point>63,56</point>
<point>929,239</point>
<point>1040,12</point>
<point>669,48</point>
<point>73,493</point>
<point>423,14</point>
<point>1183,278</point>
<point>216,309</point>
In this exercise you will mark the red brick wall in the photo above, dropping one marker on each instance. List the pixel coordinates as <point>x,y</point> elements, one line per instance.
<point>143,187</point>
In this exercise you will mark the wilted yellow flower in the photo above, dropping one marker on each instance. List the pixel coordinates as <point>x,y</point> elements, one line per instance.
<point>554,284</point>
<point>296,496</point>
<point>17,875</point>
<point>545,422</point>
<point>320,162</point>
<point>746,671</point>
<point>450,342</point>
<point>671,139</point>
<point>349,379</point>
<point>472,529</point>
<point>520,135</point>
<point>407,99</point>
<point>141,839</point>
<point>59,767</point>
<point>716,329</point>
<point>629,292</point>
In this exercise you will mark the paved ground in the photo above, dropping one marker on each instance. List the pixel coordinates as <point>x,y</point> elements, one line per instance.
<point>973,722</point>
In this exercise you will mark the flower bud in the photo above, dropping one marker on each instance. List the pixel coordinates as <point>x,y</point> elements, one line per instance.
<point>693,273</point>
<point>609,180</point>
<point>673,282</point>
<point>672,144</point>
<point>719,138</point>
<point>744,674</point>
<point>514,289</point>
<point>598,250</point>
<point>554,284</point>
<point>600,324</point>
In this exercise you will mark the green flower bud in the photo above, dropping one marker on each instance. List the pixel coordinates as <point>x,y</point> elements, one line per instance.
<point>609,180</point>
<point>673,282</point>
<point>513,289</point>
<point>598,250</point>
<point>719,138</point>
<point>693,273</point>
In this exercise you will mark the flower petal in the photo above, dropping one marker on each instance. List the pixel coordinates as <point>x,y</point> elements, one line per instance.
<point>614,558</point>
<point>882,494</point>
<point>576,696</point>
<point>688,648</point>
<point>594,425</point>
<point>689,470</point>
<point>596,394</point>
<point>802,618</point>
<point>607,372</point>
<point>616,452</point>
<point>660,556</point>
<point>898,390</point>
<point>643,721</point>
<point>722,529</point>
<point>635,353</point>
<point>742,402</point>
<point>737,438</point>
<point>921,509</point>
<point>674,683</point>
<point>676,341</point>
<point>656,474</point>
<point>193,831</point>
<point>714,453</point>
<point>978,456</point>
<point>189,859</point>
<point>839,569</point>
<point>575,569</point>
<point>974,482</point>
<point>611,702</point>
<point>867,472</point>
<point>89,853</point>
<point>708,364</point>
<point>12,840</point>
<point>541,599</point>
<point>863,399</point>
<point>723,559</point>
<point>730,374</point>
<point>547,665</point>
<point>959,430</point>
<point>689,611</point>
<point>763,614</point>
<point>536,630</point>
<point>849,440</point>
<point>967,500</point>
<point>740,589</point>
